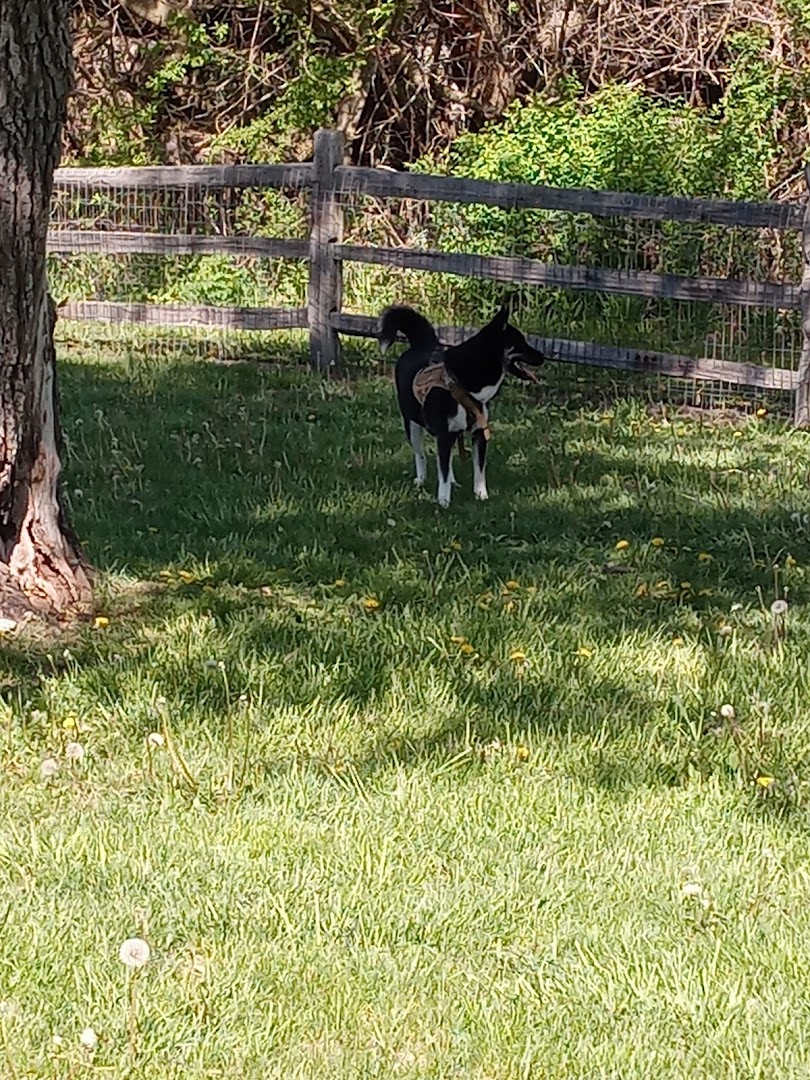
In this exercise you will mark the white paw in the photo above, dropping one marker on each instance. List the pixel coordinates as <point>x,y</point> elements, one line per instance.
<point>419,481</point>
<point>481,493</point>
<point>444,501</point>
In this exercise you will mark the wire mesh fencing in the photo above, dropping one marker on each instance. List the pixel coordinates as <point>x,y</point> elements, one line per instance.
<point>213,271</point>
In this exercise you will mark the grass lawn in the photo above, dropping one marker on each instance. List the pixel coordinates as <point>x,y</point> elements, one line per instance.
<point>440,794</point>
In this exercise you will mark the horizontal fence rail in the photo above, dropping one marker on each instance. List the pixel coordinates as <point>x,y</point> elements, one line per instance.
<point>163,177</point>
<point>95,242</point>
<point>610,356</point>
<point>232,318</point>
<point>331,185</point>
<point>521,271</point>
<point>351,180</point>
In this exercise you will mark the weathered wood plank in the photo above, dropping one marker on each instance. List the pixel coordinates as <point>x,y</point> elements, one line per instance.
<point>232,318</point>
<point>74,242</point>
<point>213,177</point>
<point>610,356</point>
<point>325,269</point>
<point>801,405</point>
<point>386,183</point>
<point>580,278</point>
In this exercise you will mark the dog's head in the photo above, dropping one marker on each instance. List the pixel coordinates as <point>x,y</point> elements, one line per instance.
<point>516,350</point>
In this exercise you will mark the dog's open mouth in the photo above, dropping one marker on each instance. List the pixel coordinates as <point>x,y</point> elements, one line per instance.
<point>520,372</point>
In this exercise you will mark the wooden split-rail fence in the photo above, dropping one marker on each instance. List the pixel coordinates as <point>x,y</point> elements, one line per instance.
<point>331,184</point>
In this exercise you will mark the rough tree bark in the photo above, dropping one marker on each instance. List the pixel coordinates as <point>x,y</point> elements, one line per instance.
<point>41,565</point>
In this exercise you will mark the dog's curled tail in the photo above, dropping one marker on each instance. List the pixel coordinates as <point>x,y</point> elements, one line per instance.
<point>413,326</point>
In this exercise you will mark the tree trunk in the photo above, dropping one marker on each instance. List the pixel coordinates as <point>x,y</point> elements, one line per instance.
<point>41,565</point>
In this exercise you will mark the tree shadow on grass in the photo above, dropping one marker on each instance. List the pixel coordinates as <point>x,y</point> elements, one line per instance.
<point>265,487</point>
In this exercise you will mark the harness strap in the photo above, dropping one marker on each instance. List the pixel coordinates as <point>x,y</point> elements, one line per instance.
<point>436,376</point>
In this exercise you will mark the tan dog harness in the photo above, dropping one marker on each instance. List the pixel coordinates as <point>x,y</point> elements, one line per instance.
<point>437,377</point>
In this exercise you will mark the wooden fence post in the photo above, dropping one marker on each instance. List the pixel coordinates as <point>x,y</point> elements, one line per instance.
<point>801,412</point>
<point>325,271</point>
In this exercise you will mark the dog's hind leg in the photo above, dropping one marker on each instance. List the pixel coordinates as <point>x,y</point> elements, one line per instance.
<point>461,453</point>
<point>416,437</point>
<point>444,451</point>
<point>479,456</point>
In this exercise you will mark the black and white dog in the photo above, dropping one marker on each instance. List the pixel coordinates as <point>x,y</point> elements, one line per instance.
<point>446,389</point>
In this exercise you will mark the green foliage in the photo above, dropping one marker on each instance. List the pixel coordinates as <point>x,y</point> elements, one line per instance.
<point>623,140</point>
<point>193,46</point>
<point>798,12</point>
<point>119,132</point>
<point>310,99</point>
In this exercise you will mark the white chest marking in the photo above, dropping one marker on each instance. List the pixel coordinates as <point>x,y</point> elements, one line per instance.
<point>487,393</point>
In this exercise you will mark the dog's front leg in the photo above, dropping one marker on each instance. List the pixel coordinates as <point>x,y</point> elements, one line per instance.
<point>444,450</point>
<point>479,456</point>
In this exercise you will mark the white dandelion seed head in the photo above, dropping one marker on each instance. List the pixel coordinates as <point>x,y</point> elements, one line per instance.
<point>736,607</point>
<point>779,607</point>
<point>725,631</point>
<point>691,891</point>
<point>10,1010</point>
<point>211,664</point>
<point>134,953</point>
<point>49,768</point>
<point>727,712</point>
<point>154,738</point>
<point>57,1042</point>
<point>88,1039</point>
<point>74,751</point>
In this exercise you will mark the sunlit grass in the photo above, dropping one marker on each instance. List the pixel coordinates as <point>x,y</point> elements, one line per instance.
<point>398,792</point>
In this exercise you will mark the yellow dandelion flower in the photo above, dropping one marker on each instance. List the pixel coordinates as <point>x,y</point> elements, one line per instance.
<point>704,556</point>
<point>765,781</point>
<point>458,639</point>
<point>186,576</point>
<point>584,652</point>
<point>678,641</point>
<point>101,622</point>
<point>466,648</point>
<point>340,583</point>
<point>165,573</point>
<point>455,545</point>
<point>686,585</point>
<point>790,562</point>
<point>658,541</point>
<point>512,584</point>
<point>762,412</point>
<point>517,655</point>
<point>622,545</point>
<point>522,753</point>
<point>509,607</point>
<point>642,590</point>
<point>371,603</point>
<point>71,722</point>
